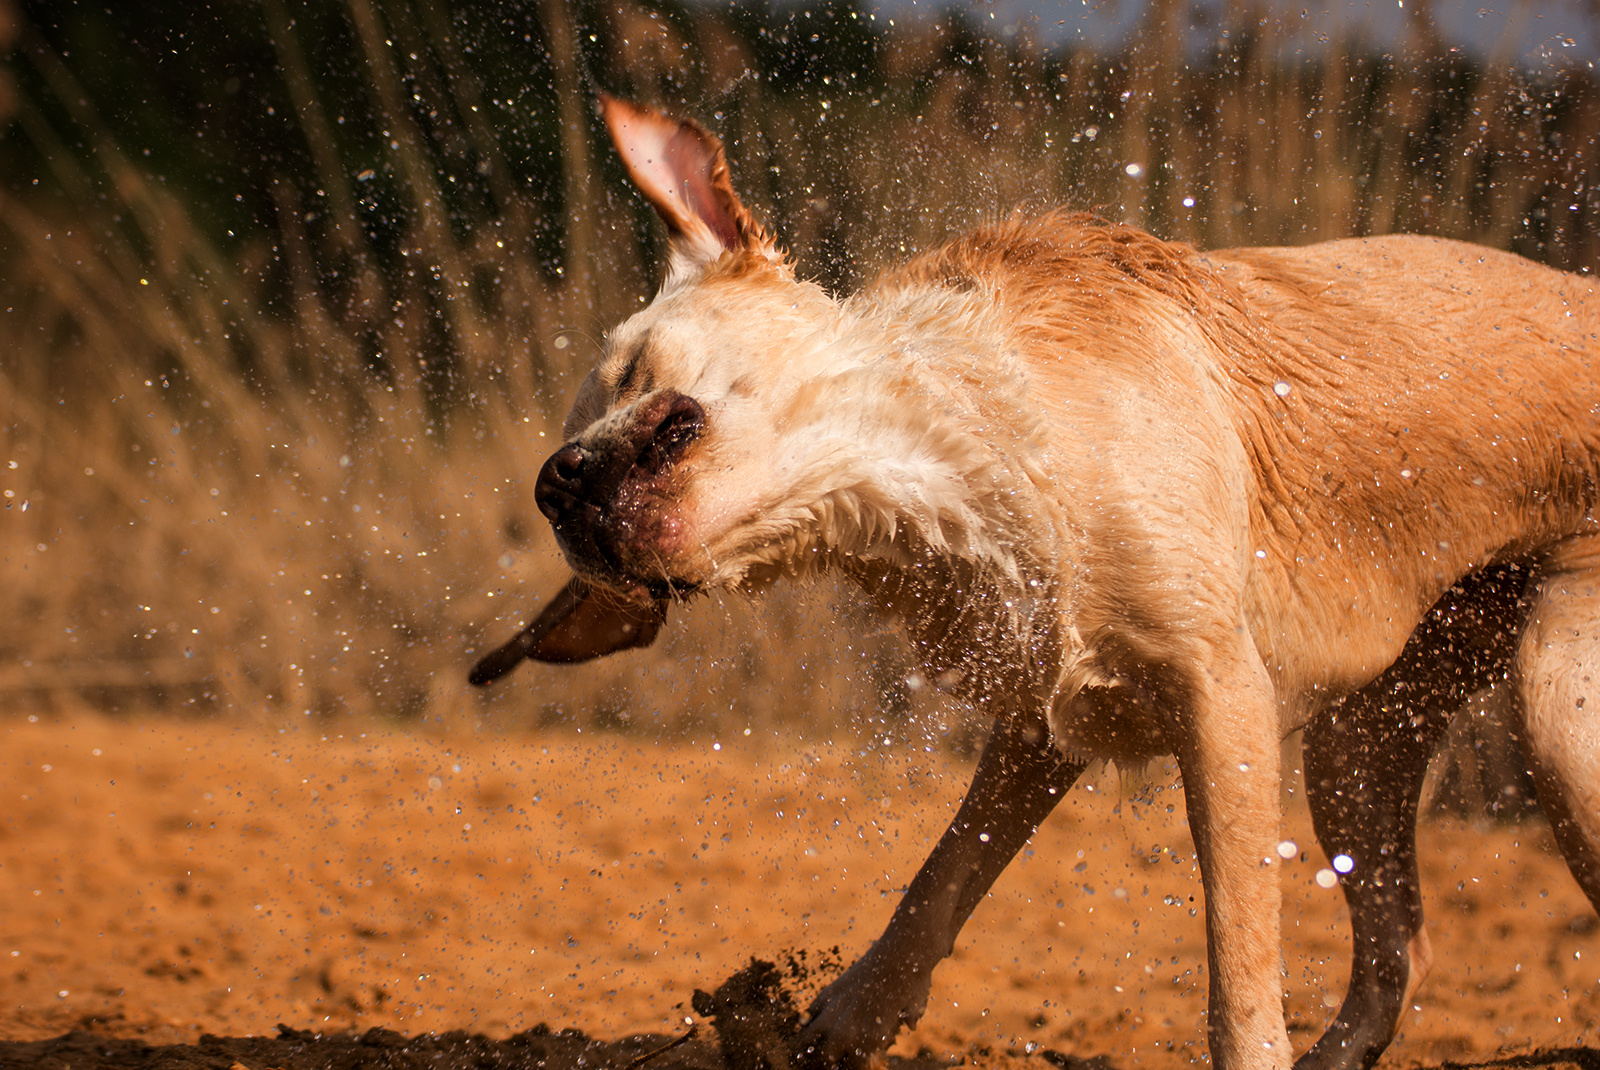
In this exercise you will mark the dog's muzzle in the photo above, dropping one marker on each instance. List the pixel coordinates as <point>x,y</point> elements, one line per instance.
<point>604,499</point>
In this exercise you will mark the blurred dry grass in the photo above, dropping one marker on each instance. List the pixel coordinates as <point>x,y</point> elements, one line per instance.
<point>290,473</point>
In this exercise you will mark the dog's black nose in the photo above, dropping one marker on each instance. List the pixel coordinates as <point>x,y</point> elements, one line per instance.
<point>561,482</point>
<point>566,464</point>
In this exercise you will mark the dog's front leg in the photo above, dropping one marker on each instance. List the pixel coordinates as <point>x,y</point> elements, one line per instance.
<point>1020,778</point>
<point>1225,734</point>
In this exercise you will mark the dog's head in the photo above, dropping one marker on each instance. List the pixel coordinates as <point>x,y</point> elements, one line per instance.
<point>677,474</point>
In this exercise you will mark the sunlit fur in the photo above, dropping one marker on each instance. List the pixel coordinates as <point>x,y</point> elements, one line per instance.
<point>999,402</point>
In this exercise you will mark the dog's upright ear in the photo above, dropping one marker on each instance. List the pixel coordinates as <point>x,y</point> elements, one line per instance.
<point>681,169</point>
<point>580,623</point>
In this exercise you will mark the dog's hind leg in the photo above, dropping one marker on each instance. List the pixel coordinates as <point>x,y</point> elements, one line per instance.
<point>1363,778</point>
<point>1020,778</point>
<point>1365,758</point>
<point>1559,677</point>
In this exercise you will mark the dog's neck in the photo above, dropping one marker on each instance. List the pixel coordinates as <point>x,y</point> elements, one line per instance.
<point>974,632</point>
<point>938,510</point>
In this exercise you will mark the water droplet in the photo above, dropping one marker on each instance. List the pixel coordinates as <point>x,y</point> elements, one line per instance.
<point>1287,849</point>
<point>1326,878</point>
<point>1281,388</point>
<point>1343,863</point>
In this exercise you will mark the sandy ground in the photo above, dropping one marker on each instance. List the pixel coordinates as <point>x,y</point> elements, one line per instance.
<point>166,879</point>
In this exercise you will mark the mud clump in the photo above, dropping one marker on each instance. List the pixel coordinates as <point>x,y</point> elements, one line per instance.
<point>755,1016</point>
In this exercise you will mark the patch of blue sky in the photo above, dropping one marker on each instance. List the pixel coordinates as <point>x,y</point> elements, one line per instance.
<point>1541,35</point>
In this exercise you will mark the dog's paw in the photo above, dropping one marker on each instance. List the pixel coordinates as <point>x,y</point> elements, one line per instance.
<point>854,1020</point>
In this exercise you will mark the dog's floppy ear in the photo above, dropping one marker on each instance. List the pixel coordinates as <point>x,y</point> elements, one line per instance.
<point>682,171</point>
<point>580,623</point>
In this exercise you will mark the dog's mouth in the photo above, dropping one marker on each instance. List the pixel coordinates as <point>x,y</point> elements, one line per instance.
<point>611,503</point>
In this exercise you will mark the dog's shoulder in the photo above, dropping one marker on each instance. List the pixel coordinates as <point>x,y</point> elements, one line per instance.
<point>1070,289</point>
<point>1028,250</point>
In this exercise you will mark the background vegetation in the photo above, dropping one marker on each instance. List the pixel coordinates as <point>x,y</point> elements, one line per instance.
<point>293,296</point>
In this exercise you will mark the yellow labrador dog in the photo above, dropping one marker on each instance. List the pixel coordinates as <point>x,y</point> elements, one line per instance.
<point>1139,500</point>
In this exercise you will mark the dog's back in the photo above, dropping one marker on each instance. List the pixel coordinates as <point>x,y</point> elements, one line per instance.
<point>1403,408</point>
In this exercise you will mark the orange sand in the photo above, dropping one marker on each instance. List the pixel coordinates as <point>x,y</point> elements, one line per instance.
<point>170,878</point>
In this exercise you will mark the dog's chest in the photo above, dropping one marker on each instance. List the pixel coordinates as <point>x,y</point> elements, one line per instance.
<point>1116,720</point>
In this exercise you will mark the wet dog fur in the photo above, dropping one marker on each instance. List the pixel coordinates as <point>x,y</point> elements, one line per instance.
<point>1137,499</point>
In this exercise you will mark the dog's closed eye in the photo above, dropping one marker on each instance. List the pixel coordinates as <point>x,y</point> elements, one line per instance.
<point>635,377</point>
